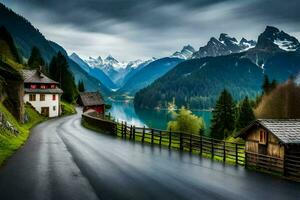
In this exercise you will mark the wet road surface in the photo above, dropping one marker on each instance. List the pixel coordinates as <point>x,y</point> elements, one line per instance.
<point>63,160</point>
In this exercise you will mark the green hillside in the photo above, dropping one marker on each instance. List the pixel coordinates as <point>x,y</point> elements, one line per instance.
<point>9,141</point>
<point>197,83</point>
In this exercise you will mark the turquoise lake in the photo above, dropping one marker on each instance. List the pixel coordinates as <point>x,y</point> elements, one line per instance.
<point>125,111</point>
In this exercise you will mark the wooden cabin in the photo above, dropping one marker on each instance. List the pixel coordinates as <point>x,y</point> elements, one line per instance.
<point>273,145</point>
<point>92,100</point>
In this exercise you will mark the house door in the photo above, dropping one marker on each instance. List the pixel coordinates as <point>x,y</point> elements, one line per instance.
<point>45,111</point>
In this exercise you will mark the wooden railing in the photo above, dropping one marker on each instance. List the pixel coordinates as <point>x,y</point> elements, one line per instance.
<point>264,162</point>
<point>205,146</point>
<point>292,166</point>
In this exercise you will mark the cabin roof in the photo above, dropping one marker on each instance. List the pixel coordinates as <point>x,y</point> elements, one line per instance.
<point>286,130</point>
<point>91,99</point>
<point>35,76</point>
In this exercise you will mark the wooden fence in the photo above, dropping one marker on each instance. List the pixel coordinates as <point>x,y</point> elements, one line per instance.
<point>205,146</point>
<point>264,162</point>
<point>292,166</point>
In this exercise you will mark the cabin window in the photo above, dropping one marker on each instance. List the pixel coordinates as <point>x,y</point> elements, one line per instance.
<point>53,97</point>
<point>52,86</point>
<point>43,86</point>
<point>42,97</point>
<point>33,86</point>
<point>31,97</point>
<point>262,137</point>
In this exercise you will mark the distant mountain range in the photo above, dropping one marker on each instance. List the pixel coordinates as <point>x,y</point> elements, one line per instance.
<point>130,77</point>
<point>225,45</point>
<point>193,77</point>
<point>236,66</point>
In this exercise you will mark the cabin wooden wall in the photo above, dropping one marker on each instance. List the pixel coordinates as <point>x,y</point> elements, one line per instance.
<point>274,149</point>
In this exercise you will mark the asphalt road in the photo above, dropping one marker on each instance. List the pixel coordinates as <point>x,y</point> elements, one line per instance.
<point>63,160</point>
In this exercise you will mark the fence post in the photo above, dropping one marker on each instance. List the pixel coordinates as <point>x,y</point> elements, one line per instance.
<point>133,132</point>
<point>130,133</point>
<point>212,148</point>
<point>236,154</point>
<point>181,141</point>
<point>143,137</point>
<point>122,129</point>
<point>170,139</point>
<point>224,153</point>
<point>152,136</point>
<point>201,143</point>
<point>160,138</point>
<point>191,143</point>
<point>125,129</point>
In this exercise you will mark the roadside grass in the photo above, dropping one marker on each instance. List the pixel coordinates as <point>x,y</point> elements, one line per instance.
<point>9,142</point>
<point>67,108</point>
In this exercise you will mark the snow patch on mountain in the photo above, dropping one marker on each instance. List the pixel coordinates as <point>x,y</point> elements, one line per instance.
<point>286,45</point>
<point>186,53</point>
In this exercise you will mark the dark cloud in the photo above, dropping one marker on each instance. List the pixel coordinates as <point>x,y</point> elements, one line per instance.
<point>144,28</point>
<point>273,10</point>
<point>88,13</point>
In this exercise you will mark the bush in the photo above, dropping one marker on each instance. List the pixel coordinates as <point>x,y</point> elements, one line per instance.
<point>185,121</point>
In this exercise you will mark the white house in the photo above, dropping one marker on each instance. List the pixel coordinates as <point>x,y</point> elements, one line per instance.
<point>42,93</point>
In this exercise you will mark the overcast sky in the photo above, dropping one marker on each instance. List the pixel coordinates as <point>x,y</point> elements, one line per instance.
<point>134,29</point>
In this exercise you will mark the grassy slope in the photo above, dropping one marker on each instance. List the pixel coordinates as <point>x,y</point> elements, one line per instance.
<point>67,108</point>
<point>9,143</point>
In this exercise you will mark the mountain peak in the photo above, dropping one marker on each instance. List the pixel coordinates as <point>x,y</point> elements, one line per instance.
<point>224,37</point>
<point>271,29</point>
<point>274,39</point>
<point>188,47</point>
<point>186,52</point>
<point>111,59</point>
<point>74,55</point>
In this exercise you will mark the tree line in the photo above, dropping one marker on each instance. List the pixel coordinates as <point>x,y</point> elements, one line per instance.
<point>276,101</point>
<point>57,70</point>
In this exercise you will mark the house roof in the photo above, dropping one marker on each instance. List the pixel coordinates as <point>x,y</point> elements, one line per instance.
<point>91,98</point>
<point>286,130</point>
<point>35,76</point>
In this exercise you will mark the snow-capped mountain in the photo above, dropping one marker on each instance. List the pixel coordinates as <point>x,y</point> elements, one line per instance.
<point>117,71</point>
<point>274,39</point>
<point>185,53</point>
<point>247,44</point>
<point>93,71</point>
<point>225,45</point>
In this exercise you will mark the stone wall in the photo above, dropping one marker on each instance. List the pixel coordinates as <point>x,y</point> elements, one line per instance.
<point>106,126</point>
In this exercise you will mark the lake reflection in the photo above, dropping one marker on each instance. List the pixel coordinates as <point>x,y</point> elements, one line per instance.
<point>125,111</point>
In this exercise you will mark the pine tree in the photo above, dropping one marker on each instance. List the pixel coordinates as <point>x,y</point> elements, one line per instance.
<point>245,116</point>
<point>266,85</point>
<point>35,60</point>
<point>223,120</point>
<point>81,86</point>
<point>59,72</point>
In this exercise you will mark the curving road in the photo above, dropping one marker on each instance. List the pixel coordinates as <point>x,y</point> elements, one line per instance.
<point>63,160</point>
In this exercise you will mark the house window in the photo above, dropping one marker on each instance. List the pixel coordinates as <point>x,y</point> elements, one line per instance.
<point>262,137</point>
<point>33,86</point>
<point>42,97</point>
<point>43,86</point>
<point>53,87</point>
<point>31,97</point>
<point>54,108</point>
<point>54,97</point>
